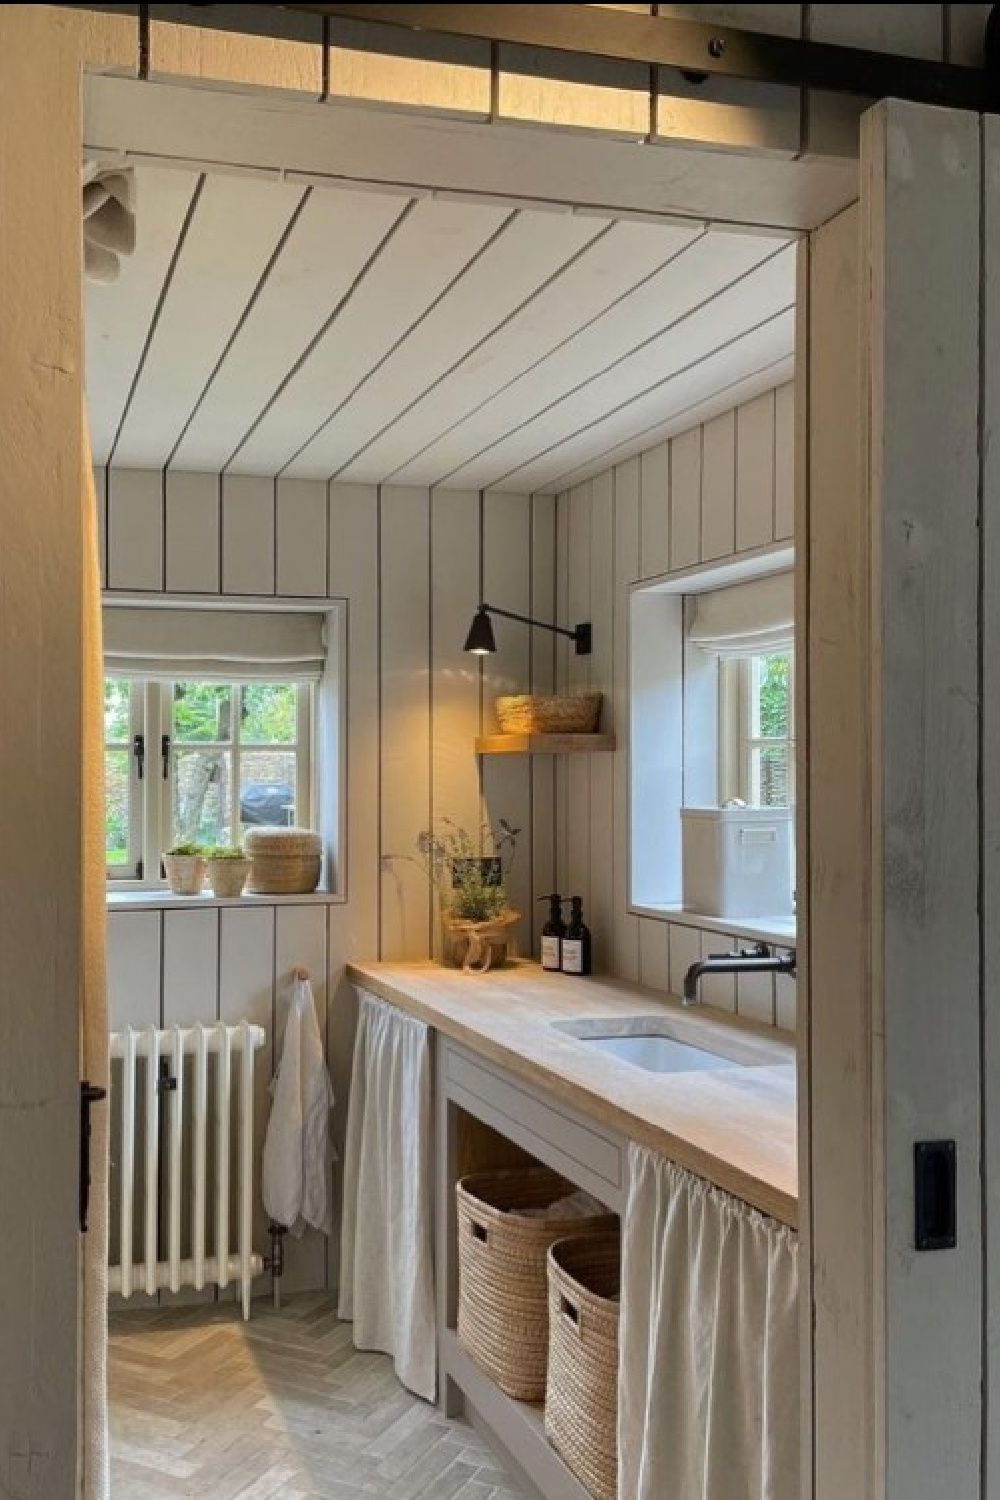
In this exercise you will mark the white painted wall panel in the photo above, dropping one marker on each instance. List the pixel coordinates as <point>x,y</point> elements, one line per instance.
<point>301,542</point>
<point>784,458</point>
<point>626,556</point>
<point>190,966</point>
<point>755,473</point>
<point>654,514</point>
<point>405,728</point>
<point>685,492</point>
<point>248,535</point>
<point>192,533</point>
<point>135,530</point>
<point>654,958</point>
<point>599,913</point>
<point>543,657</point>
<point>718,487</point>
<point>133,969</point>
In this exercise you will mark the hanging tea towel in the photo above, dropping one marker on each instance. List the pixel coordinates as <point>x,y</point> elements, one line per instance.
<point>297,1151</point>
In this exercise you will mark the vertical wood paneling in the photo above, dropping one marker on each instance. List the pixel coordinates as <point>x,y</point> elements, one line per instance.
<point>246,993</point>
<point>685,499</point>
<point>784,458</point>
<point>405,710</point>
<point>101,496</point>
<point>718,990</point>
<point>755,998</point>
<point>626,571</point>
<point>654,953</point>
<point>190,966</point>
<point>192,533</point>
<point>301,541</point>
<point>685,950</point>
<point>300,938</point>
<point>574,877</point>
<point>600,915</point>
<point>718,487</point>
<point>543,768</point>
<point>133,969</point>
<point>755,473</point>
<point>135,529</point>
<point>654,471</point>
<point>455,675</point>
<point>507,582</point>
<point>248,535</point>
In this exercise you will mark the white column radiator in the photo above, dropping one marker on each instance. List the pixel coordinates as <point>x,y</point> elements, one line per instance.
<point>183,1172</point>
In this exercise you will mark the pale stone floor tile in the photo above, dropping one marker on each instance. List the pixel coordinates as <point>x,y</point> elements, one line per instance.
<point>205,1407</point>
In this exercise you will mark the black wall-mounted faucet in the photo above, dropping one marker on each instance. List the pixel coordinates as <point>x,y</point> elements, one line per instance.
<point>758,959</point>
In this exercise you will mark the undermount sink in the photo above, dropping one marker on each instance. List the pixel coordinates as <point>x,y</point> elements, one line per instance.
<point>650,1043</point>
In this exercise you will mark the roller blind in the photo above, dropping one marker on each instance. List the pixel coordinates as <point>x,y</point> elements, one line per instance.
<point>214,644</point>
<point>746,619</point>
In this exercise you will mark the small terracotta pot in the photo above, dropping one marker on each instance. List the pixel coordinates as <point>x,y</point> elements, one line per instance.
<point>227,877</point>
<point>185,873</point>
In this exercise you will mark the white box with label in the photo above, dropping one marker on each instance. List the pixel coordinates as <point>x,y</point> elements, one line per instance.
<point>737,861</point>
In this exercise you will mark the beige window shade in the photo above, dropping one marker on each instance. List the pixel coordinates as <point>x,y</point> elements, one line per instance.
<point>747,619</point>
<point>214,644</point>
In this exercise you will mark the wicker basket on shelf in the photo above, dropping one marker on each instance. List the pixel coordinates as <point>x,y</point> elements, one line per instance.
<point>569,713</point>
<point>283,861</point>
<point>502,1279</point>
<point>581,1394</point>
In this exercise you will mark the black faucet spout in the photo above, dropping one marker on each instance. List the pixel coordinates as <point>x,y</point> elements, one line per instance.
<point>761,958</point>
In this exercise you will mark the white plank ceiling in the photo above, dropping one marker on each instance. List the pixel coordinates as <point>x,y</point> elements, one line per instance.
<point>319,332</point>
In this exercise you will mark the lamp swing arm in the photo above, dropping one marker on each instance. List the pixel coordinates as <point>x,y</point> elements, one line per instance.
<point>509,614</point>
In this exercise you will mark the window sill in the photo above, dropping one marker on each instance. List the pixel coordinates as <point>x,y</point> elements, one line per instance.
<point>156,900</point>
<point>778,930</point>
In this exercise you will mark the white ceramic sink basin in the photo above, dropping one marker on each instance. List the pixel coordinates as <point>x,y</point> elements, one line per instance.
<point>653,1044</point>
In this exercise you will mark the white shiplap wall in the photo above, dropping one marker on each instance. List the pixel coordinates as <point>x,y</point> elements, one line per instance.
<point>720,489</point>
<point>408,562</point>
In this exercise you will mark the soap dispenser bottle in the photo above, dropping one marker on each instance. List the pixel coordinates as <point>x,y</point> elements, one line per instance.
<point>553,933</point>
<point>576,942</point>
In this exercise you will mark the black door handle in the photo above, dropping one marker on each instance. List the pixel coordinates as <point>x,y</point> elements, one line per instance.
<point>90,1094</point>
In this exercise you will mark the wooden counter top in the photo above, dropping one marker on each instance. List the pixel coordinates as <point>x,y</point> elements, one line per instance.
<point>736,1127</point>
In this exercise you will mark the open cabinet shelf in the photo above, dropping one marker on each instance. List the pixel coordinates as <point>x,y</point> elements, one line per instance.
<point>543,744</point>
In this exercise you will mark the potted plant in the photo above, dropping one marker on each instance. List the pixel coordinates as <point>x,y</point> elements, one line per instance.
<point>185,867</point>
<point>469,873</point>
<point>228,868</point>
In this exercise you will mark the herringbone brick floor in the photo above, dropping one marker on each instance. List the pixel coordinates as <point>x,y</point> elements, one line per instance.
<point>206,1407</point>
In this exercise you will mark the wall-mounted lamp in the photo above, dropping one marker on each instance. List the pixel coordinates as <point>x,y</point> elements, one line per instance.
<point>482,642</point>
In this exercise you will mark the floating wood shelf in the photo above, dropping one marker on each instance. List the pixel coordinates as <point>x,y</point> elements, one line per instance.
<point>543,744</point>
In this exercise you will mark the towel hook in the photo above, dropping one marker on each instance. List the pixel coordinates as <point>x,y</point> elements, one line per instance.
<point>300,972</point>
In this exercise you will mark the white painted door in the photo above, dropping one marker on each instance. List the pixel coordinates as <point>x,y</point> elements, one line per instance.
<point>899,395</point>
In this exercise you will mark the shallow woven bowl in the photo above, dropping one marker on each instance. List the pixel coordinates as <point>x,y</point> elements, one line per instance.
<point>283,861</point>
<point>569,713</point>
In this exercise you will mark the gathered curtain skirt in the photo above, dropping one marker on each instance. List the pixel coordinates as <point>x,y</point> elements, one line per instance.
<point>709,1343</point>
<point>387,1266</point>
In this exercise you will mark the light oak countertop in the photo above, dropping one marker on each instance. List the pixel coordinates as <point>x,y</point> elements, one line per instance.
<point>736,1126</point>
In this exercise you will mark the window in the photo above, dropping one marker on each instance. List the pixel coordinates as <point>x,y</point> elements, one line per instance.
<point>195,761</point>
<point>756,729</point>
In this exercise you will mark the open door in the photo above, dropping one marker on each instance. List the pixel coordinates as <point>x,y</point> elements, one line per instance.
<point>900,541</point>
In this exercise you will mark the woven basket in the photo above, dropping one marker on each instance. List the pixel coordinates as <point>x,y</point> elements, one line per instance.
<point>524,713</point>
<point>283,861</point>
<point>502,1281</point>
<point>581,1394</point>
<point>227,877</point>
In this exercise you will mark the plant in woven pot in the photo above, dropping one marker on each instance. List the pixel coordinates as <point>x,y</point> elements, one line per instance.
<point>469,872</point>
<point>185,868</point>
<point>228,868</point>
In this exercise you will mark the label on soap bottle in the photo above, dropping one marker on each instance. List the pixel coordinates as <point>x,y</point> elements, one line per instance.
<point>550,953</point>
<point>572,956</point>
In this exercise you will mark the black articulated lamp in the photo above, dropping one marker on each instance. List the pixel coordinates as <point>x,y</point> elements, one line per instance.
<point>482,642</point>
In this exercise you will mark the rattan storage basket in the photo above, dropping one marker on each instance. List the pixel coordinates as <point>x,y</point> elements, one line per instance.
<point>571,713</point>
<point>581,1393</point>
<point>502,1285</point>
<point>283,861</point>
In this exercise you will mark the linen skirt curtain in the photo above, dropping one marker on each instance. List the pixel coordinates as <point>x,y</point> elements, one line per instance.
<point>387,1267</point>
<point>709,1351</point>
<point>93,1465</point>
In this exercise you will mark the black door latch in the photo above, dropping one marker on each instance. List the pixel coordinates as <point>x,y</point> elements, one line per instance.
<point>90,1094</point>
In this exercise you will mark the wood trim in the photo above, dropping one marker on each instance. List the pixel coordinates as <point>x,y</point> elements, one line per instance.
<point>543,744</point>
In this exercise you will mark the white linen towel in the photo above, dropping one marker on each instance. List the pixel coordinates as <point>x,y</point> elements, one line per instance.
<point>386,1256</point>
<point>708,1388</point>
<point>295,1182</point>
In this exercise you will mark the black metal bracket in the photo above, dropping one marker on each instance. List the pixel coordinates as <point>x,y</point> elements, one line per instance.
<point>692,47</point>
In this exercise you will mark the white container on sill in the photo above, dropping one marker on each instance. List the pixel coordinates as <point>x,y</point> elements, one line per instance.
<point>737,861</point>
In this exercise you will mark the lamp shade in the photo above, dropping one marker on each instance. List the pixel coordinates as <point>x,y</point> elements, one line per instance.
<point>480,638</point>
